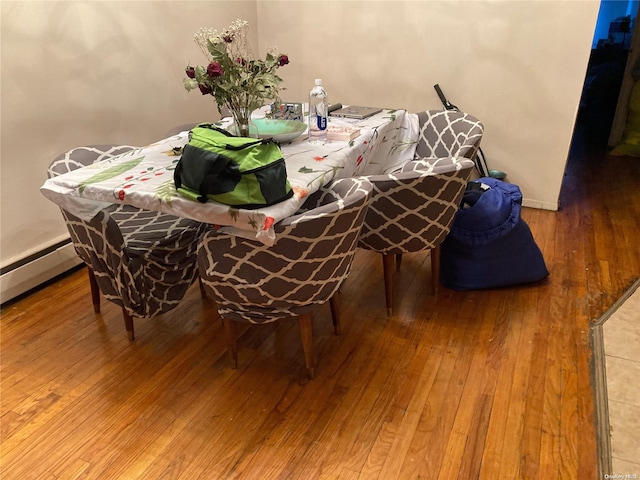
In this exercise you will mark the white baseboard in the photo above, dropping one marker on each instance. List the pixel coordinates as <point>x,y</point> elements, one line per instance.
<point>30,275</point>
<point>540,205</point>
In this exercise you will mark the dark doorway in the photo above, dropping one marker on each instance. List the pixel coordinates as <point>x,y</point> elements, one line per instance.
<point>606,69</point>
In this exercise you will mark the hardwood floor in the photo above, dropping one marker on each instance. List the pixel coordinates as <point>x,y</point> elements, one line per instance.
<point>484,384</point>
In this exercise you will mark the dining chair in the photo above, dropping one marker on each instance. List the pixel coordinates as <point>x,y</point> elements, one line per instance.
<point>141,260</point>
<point>412,211</point>
<point>448,133</point>
<point>312,255</point>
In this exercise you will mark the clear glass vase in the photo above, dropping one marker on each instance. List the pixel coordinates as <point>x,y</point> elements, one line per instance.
<point>243,126</point>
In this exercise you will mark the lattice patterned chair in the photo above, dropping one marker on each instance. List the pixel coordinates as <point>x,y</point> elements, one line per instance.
<point>412,211</point>
<point>255,283</point>
<point>142,261</point>
<point>448,133</point>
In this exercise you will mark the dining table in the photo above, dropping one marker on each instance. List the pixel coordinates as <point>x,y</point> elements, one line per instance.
<point>143,177</point>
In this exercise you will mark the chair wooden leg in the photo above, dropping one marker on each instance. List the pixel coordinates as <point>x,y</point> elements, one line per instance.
<point>306,332</point>
<point>435,269</point>
<point>335,313</point>
<point>387,266</point>
<point>203,291</point>
<point>230,331</point>
<point>398,261</point>
<point>128,324</point>
<point>95,291</point>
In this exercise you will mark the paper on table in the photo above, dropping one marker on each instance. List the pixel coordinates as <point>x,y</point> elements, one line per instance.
<point>342,133</point>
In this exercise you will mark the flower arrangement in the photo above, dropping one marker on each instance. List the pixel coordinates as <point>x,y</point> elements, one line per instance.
<point>233,77</point>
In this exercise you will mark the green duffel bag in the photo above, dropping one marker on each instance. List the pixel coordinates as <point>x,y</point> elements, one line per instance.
<point>237,171</point>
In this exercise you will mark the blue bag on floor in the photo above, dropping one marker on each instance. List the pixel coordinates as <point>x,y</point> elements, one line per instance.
<point>489,245</point>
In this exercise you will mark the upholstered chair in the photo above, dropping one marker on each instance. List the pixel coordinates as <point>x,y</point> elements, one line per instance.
<point>313,251</point>
<point>448,133</point>
<point>412,211</point>
<point>142,261</point>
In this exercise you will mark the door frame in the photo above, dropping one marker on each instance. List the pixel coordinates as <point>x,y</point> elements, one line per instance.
<point>622,106</point>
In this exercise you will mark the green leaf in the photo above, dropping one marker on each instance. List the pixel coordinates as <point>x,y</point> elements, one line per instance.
<point>109,173</point>
<point>166,191</point>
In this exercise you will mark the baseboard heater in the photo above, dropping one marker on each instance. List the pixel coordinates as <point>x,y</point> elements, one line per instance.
<point>32,271</point>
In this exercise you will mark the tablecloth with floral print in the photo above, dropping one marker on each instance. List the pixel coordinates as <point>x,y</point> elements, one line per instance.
<point>144,177</point>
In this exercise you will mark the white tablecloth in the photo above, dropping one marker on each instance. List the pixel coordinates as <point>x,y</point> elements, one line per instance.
<point>144,177</point>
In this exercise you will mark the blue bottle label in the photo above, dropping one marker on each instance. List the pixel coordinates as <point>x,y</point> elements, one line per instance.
<point>321,122</point>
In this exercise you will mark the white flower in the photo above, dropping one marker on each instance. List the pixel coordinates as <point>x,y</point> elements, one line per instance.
<point>190,84</point>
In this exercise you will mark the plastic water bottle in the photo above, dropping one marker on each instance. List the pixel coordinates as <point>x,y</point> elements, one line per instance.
<point>318,113</point>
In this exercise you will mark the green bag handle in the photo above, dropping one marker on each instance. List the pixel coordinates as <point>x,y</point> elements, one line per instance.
<point>250,142</point>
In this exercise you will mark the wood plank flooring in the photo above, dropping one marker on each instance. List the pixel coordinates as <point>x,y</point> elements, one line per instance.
<point>484,384</point>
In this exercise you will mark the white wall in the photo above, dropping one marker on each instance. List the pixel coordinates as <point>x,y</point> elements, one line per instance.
<point>518,66</point>
<point>76,73</point>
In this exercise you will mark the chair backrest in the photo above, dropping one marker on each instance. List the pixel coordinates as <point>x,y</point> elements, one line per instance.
<point>311,257</point>
<point>448,133</point>
<point>413,210</point>
<point>83,156</point>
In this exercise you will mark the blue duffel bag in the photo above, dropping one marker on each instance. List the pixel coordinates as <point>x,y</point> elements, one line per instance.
<point>489,245</point>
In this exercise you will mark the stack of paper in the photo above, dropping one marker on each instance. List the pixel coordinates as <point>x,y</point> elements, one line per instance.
<point>343,134</point>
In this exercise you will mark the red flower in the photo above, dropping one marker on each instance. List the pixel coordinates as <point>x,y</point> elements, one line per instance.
<point>268,223</point>
<point>300,192</point>
<point>215,69</point>
<point>121,195</point>
<point>283,60</point>
<point>191,72</point>
<point>128,178</point>
<point>318,159</point>
<point>205,89</point>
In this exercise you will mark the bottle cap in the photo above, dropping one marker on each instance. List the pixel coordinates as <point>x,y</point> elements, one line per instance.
<point>318,81</point>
